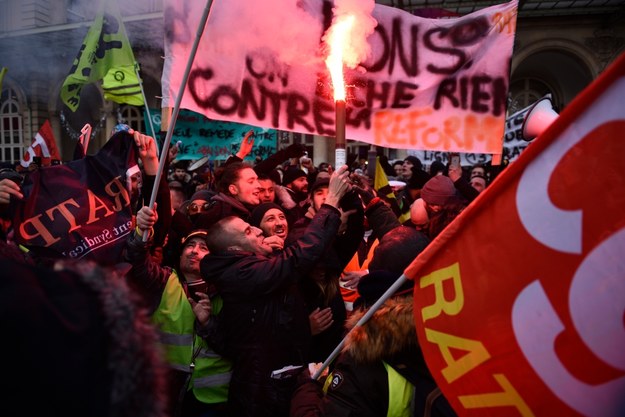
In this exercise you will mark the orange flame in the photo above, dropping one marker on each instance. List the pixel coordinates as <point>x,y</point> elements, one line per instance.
<point>337,38</point>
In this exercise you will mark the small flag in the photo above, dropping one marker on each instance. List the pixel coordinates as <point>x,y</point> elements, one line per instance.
<point>80,151</point>
<point>385,192</point>
<point>43,146</point>
<point>104,55</point>
<point>121,85</point>
<point>3,72</point>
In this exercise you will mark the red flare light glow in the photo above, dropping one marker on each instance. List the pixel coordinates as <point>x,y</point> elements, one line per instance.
<point>337,39</point>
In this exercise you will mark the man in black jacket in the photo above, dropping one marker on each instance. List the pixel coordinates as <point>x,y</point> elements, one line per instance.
<point>380,370</point>
<point>238,194</point>
<point>321,288</point>
<point>263,320</point>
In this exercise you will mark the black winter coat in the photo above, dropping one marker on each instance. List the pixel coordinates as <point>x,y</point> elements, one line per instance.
<point>264,320</point>
<point>325,274</point>
<point>359,385</point>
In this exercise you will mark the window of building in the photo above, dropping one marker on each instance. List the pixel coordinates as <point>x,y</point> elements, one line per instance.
<point>132,116</point>
<point>288,138</point>
<point>11,138</point>
<point>526,91</point>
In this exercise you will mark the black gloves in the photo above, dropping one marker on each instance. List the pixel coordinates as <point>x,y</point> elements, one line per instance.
<point>365,195</point>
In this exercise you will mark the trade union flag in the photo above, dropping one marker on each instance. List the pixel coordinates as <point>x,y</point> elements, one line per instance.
<point>519,303</point>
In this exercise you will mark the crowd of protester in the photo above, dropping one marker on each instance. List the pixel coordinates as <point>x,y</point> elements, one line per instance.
<point>240,276</point>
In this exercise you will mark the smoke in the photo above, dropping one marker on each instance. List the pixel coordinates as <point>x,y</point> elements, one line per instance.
<point>292,29</point>
<point>357,14</point>
<point>39,57</point>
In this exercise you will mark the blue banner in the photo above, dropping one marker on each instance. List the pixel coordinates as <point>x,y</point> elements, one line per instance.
<point>201,136</point>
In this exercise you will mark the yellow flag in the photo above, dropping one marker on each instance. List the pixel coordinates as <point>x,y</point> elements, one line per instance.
<point>104,53</point>
<point>385,192</point>
<point>3,72</point>
<point>380,181</point>
<point>121,85</point>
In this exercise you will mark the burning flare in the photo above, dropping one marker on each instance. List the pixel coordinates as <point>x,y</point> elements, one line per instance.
<point>338,40</point>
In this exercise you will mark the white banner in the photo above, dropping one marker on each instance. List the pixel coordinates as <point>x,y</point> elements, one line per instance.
<point>435,84</point>
<point>513,144</point>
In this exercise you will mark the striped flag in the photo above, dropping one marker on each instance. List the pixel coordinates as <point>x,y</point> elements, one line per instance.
<point>104,55</point>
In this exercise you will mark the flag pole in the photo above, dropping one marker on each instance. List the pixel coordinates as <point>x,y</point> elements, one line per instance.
<point>147,108</point>
<point>396,285</point>
<point>174,115</point>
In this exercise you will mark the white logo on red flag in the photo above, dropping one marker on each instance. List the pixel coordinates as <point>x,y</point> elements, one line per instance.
<point>522,312</point>
<point>44,146</point>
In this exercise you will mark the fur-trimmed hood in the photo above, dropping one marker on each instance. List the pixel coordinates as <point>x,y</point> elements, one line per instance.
<point>388,333</point>
<point>138,384</point>
<point>79,345</point>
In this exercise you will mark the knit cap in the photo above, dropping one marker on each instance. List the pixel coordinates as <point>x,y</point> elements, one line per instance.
<point>321,182</point>
<point>204,195</point>
<point>397,249</point>
<point>291,175</point>
<point>436,167</point>
<point>416,162</point>
<point>373,285</point>
<point>439,191</point>
<point>259,212</point>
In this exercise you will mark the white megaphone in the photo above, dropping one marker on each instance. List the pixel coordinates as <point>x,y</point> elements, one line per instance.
<point>538,118</point>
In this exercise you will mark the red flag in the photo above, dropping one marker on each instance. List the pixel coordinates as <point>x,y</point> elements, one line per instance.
<point>44,146</point>
<point>519,302</point>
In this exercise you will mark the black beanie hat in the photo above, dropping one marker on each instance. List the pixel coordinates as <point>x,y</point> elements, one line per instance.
<point>291,175</point>
<point>373,285</point>
<point>436,167</point>
<point>259,212</point>
<point>202,195</point>
<point>321,182</point>
<point>275,176</point>
<point>397,249</point>
<point>414,161</point>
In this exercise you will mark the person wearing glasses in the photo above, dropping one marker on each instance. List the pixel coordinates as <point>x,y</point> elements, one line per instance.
<point>199,203</point>
<point>181,225</point>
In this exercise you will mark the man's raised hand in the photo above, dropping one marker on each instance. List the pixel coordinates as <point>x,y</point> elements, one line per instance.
<point>339,186</point>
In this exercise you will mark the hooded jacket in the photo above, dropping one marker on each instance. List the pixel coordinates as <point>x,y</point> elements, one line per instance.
<point>76,343</point>
<point>372,356</point>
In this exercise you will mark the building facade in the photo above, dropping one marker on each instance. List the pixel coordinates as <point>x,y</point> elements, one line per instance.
<point>558,50</point>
